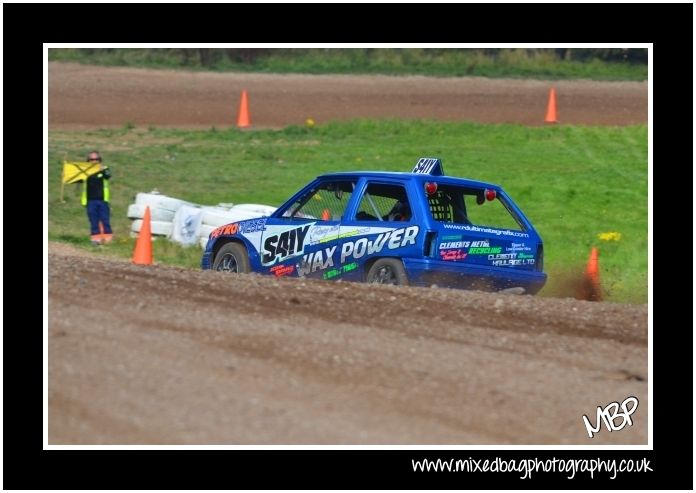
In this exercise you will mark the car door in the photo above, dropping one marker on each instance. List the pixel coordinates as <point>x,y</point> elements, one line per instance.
<point>381,223</point>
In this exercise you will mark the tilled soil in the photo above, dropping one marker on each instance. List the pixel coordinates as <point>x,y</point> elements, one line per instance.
<point>82,97</point>
<point>163,355</point>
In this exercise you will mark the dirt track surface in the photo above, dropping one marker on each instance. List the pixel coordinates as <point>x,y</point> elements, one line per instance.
<point>162,355</point>
<point>82,96</point>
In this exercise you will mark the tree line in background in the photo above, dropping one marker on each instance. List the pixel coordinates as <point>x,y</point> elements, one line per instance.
<point>210,57</point>
<point>560,63</point>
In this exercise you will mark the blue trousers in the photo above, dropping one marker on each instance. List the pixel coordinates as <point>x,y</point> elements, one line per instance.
<point>98,211</point>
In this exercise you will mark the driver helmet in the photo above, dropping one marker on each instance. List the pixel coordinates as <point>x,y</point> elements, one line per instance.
<point>400,212</point>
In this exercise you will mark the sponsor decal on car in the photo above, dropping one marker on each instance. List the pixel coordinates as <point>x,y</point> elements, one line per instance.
<point>250,226</point>
<point>511,259</point>
<point>452,254</point>
<point>482,247</point>
<point>314,261</point>
<point>319,234</point>
<point>484,250</point>
<point>454,244</point>
<point>397,238</point>
<point>284,245</point>
<point>324,258</point>
<point>518,247</point>
<point>330,274</point>
<point>324,234</point>
<point>477,229</point>
<point>227,229</point>
<point>282,270</point>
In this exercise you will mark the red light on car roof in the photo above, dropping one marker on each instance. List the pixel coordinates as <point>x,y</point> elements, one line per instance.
<point>490,194</point>
<point>430,187</point>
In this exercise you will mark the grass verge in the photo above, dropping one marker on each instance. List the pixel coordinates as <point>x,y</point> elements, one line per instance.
<point>573,182</point>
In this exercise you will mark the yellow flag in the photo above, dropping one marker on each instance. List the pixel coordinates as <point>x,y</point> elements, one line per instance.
<point>74,172</point>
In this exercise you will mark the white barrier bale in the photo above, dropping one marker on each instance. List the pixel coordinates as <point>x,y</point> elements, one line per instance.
<point>186,225</point>
<point>137,211</point>
<point>260,209</point>
<point>205,230</point>
<point>160,201</point>
<point>160,228</point>
<point>216,217</point>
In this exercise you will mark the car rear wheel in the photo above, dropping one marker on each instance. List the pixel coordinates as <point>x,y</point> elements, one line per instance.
<point>232,257</point>
<point>388,271</point>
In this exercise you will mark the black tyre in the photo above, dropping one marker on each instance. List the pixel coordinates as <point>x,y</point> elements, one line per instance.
<point>232,257</point>
<point>388,271</point>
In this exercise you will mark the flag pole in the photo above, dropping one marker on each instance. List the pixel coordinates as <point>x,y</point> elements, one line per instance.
<point>62,181</point>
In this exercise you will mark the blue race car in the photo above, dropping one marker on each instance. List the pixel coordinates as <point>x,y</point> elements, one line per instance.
<point>419,228</point>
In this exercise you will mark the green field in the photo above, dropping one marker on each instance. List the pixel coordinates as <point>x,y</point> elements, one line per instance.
<point>596,64</point>
<point>572,182</point>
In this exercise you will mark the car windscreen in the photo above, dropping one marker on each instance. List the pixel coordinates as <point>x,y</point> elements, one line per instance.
<point>327,201</point>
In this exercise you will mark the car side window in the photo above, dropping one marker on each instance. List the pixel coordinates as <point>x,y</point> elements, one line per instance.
<point>471,206</point>
<point>326,202</point>
<point>384,202</point>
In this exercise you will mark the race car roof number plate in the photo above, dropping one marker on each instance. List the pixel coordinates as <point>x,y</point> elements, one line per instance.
<point>429,166</point>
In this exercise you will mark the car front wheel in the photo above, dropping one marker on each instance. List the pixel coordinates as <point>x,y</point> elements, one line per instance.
<point>388,271</point>
<point>232,257</point>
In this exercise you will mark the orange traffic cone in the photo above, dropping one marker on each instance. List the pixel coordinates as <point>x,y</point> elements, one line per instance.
<point>326,215</point>
<point>551,116</point>
<point>243,119</point>
<point>142,254</point>
<point>592,276</point>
